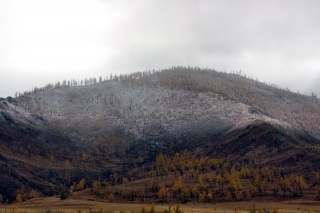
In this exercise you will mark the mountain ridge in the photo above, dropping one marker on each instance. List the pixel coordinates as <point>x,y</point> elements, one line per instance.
<point>120,125</point>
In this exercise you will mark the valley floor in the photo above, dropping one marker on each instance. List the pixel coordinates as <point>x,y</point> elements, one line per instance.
<point>54,205</point>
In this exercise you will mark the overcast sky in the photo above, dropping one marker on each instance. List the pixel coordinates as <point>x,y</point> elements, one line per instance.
<point>43,41</point>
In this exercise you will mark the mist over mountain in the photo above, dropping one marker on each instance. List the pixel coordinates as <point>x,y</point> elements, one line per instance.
<point>63,132</point>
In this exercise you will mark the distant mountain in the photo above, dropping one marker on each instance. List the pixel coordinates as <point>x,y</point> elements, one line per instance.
<point>60,133</point>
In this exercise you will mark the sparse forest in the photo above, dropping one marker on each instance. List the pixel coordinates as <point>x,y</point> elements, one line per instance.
<point>109,97</point>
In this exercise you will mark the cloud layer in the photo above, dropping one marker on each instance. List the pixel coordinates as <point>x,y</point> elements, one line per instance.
<point>47,41</point>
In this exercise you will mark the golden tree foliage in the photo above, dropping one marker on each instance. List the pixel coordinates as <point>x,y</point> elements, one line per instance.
<point>71,188</point>
<point>185,195</point>
<point>33,194</point>
<point>143,209</point>
<point>264,186</point>
<point>81,185</point>
<point>177,209</point>
<point>227,195</point>
<point>284,185</point>
<point>169,210</point>
<point>111,197</point>
<point>163,193</point>
<point>96,186</point>
<point>226,175</point>
<point>125,180</point>
<point>202,197</point>
<point>100,209</point>
<point>19,198</point>
<point>84,157</point>
<point>209,196</point>
<point>234,185</point>
<point>299,185</point>
<point>152,209</point>
<point>161,165</point>
<point>177,186</point>
<point>196,190</point>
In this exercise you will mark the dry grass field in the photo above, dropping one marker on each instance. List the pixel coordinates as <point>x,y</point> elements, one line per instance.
<point>55,205</point>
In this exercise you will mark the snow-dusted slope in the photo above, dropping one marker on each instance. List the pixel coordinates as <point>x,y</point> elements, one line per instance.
<point>95,109</point>
<point>11,111</point>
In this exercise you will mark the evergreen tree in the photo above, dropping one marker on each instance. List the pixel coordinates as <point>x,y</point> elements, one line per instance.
<point>63,195</point>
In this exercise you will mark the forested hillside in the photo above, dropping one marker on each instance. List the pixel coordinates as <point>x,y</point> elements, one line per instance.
<point>148,96</point>
<point>116,128</point>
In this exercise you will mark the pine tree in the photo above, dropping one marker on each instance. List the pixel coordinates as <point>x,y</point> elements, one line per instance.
<point>63,195</point>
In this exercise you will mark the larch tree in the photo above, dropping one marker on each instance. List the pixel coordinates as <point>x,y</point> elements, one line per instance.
<point>100,209</point>
<point>96,186</point>
<point>209,196</point>
<point>202,197</point>
<point>152,209</point>
<point>265,186</point>
<point>19,198</point>
<point>72,188</point>
<point>284,185</point>
<point>177,186</point>
<point>81,185</point>
<point>143,209</point>
<point>185,195</point>
<point>111,197</point>
<point>301,185</point>
<point>33,194</point>
<point>163,193</point>
<point>84,158</point>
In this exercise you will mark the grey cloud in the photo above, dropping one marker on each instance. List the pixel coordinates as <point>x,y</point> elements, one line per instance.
<point>274,41</point>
